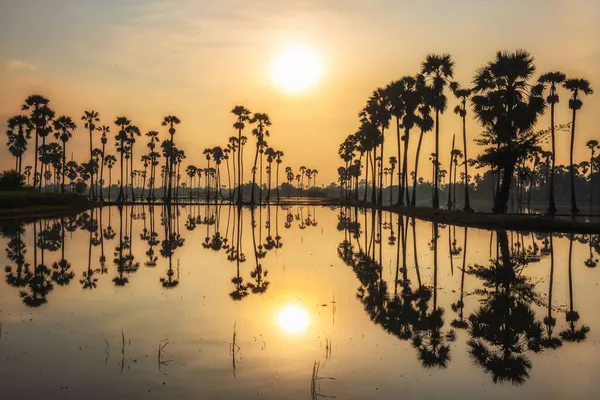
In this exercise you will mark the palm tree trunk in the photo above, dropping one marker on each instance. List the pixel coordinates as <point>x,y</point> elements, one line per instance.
<point>120,197</point>
<point>380,196</point>
<point>102,173</point>
<point>436,168</point>
<point>574,209</point>
<point>132,176</point>
<point>277,181</point>
<point>35,156</point>
<point>552,205</point>
<point>252,201</point>
<point>64,162</point>
<point>400,178</point>
<point>414,192</point>
<point>467,200</point>
<point>366,176</point>
<point>229,179</point>
<point>404,168</point>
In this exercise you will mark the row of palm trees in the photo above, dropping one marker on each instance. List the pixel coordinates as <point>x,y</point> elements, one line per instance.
<point>41,122</point>
<point>506,102</point>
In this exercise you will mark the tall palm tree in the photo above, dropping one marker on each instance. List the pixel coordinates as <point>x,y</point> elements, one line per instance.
<point>121,138</point>
<point>261,131</point>
<point>425,124</point>
<point>35,103</point>
<point>132,132</point>
<point>508,106</point>
<point>592,145</point>
<point>44,117</point>
<point>23,126</point>
<point>153,156</point>
<point>576,86</point>
<point>552,79</point>
<point>278,160</point>
<point>463,95</point>
<point>170,121</point>
<point>377,113</point>
<point>438,69</point>
<point>394,91</point>
<point>90,118</point>
<point>63,130</point>
<point>103,139</point>
<point>242,117</point>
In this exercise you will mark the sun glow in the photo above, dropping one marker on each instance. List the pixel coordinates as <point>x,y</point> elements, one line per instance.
<point>296,69</point>
<point>292,319</point>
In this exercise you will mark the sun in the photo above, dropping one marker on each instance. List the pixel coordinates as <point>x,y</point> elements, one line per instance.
<point>296,69</point>
<point>292,318</point>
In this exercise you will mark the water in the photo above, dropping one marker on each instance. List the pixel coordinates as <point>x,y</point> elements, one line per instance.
<point>292,304</point>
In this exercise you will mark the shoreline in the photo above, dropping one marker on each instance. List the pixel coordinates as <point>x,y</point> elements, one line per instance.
<point>481,220</point>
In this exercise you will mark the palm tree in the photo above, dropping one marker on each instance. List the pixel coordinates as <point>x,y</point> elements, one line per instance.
<point>278,155</point>
<point>132,131</point>
<point>552,79</point>
<point>261,131</point>
<point>35,103</point>
<point>394,90</point>
<point>461,110</point>
<point>242,117</point>
<point>377,113</point>
<point>592,145</point>
<point>191,172</point>
<point>425,124</point>
<point>90,118</point>
<point>153,156</point>
<point>576,86</point>
<point>508,107</point>
<point>63,130</point>
<point>44,117</point>
<point>23,126</point>
<point>103,139</point>
<point>121,138</point>
<point>439,69</point>
<point>170,121</point>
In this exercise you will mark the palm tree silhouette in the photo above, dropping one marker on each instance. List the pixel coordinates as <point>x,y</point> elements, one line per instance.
<point>425,124</point>
<point>121,138</point>
<point>23,126</point>
<point>377,113</point>
<point>132,132</point>
<point>592,145</point>
<point>438,70</point>
<point>170,121</point>
<point>242,117</point>
<point>261,131</point>
<point>35,103</point>
<point>508,107</point>
<point>109,161</point>
<point>576,86</point>
<point>463,95</point>
<point>552,79</point>
<point>63,130</point>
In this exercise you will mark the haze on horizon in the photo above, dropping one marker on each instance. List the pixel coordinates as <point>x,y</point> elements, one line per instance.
<point>197,59</point>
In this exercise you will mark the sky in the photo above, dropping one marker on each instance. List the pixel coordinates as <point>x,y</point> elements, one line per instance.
<point>146,59</point>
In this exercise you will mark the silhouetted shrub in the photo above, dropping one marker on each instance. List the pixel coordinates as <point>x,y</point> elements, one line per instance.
<point>11,180</point>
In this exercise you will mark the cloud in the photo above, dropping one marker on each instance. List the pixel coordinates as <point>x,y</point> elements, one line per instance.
<point>15,66</point>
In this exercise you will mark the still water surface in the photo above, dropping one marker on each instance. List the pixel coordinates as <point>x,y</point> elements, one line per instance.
<point>293,303</point>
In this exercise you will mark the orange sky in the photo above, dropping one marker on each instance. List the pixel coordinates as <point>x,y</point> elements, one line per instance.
<point>197,59</point>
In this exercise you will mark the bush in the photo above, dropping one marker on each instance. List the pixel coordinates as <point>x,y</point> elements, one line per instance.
<point>81,187</point>
<point>11,180</point>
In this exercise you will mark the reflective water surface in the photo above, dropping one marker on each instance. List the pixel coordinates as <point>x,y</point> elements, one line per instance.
<point>216,302</point>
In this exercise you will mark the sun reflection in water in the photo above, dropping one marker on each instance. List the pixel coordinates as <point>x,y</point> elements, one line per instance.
<point>293,319</point>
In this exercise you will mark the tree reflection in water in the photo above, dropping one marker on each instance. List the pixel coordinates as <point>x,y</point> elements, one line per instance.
<point>503,330</point>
